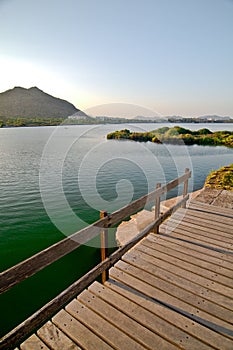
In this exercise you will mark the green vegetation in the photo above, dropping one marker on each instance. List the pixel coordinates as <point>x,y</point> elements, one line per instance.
<point>135,136</point>
<point>221,178</point>
<point>15,122</point>
<point>177,135</point>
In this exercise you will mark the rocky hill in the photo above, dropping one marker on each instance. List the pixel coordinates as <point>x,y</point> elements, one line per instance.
<point>33,103</point>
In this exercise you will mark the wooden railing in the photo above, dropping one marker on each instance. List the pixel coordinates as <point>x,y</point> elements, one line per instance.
<point>37,262</point>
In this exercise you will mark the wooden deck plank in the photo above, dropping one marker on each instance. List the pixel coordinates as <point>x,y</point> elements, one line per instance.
<point>108,309</point>
<point>204,208</point>
<point>182,278</point>
<point>110,334</point>
<point>210,208</point>
<point>33,343</point>
<point>208,216</point>
<point>185,233</point>
<point>220,258</point>
<point>55,339</point>
<point>191,264</point>
<point>193,224</point>
<point>148,319</point>
<point>171,248</point>
<point>80,334</point>
<point>181,306</point>
<point>190,326</point>
<point>217,232</point>
<point>210,225</point>
<point>169,293</point>
<point>194,228</point>
<point>161,258</point>
<point>185,216</point>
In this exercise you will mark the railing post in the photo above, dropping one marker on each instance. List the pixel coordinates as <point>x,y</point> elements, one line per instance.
<point>185,190</point>
<point>104,244</point>
<point>157,207</point>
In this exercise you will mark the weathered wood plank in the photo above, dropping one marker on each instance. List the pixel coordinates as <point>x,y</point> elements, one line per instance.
<point>148,319</point>
<point>164,291</point>
<point>202,222</point>
<point>55,338</point>
<point>180,306</point>
<point>186,280</point>
<point>213,217</point>
<point>182,232</point>
<point>99,326</point>
<point>191,327</point>
<point>192,229</point>
<point>189,271</point>
<point>206,254</point>
<point>33,343</point>
<point>189,265</point>
<point>80,334</point>
<point>192,222</point>
<point>220,229</point>
<point>196,230</point>
<point>197,205</point>
<point>215,261</point>
<point>109,310</point>
<point>203,268</point>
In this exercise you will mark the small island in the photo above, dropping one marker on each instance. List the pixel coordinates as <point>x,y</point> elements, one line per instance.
<point>177,136</point>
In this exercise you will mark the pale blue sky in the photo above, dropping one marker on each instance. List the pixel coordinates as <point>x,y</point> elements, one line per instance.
<point>174,57</point>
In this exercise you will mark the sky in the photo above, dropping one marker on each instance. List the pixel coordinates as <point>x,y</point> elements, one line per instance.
<point>170,57</point>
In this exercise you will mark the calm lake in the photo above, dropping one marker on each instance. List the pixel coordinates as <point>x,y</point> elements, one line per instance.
<point>54,181</point>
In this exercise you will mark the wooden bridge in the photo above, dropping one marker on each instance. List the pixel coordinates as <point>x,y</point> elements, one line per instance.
<point>172,290</point>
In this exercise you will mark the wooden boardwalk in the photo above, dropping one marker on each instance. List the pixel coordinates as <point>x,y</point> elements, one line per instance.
<point>173,290</point>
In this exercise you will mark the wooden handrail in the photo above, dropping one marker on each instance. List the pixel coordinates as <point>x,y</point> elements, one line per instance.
<point>185,190</point>
<point>157,208</point>
<point>18,334</point>
<point>104,245</point>
<point>37,262</point>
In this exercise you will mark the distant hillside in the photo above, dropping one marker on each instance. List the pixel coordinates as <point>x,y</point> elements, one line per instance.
<point>33,102</point>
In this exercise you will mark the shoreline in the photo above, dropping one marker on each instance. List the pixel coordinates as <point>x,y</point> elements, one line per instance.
<point>128,121</point>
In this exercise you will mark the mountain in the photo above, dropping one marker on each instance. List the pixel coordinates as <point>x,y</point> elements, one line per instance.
<point>33,102</point>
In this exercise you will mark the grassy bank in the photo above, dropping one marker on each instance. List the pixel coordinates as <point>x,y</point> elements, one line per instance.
<point>221,178</point>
